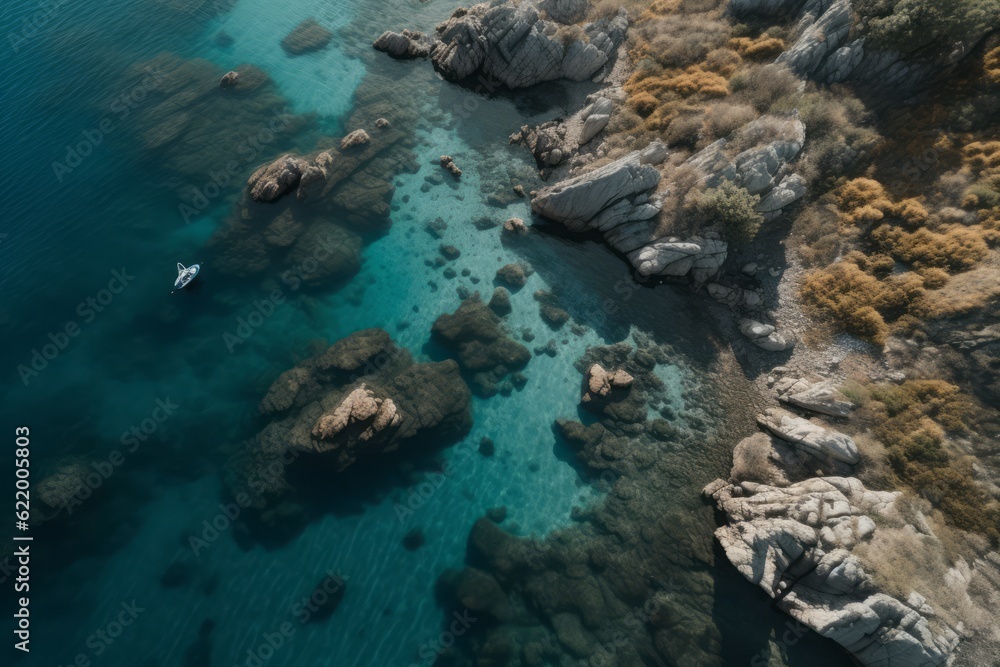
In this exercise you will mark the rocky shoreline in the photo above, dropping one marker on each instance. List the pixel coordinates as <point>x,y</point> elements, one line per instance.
<point>796,518</point>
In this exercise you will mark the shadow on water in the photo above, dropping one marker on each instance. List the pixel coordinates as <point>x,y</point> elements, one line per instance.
<point>320,490</point>
<point>754,627</point>
<point>597,288</point>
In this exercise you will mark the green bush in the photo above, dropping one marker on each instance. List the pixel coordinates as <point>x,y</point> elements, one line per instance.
<point>735,208</point>
<point>909,25</point>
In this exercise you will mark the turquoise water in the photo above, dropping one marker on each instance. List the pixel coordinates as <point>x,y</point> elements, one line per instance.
<point>69,223</point>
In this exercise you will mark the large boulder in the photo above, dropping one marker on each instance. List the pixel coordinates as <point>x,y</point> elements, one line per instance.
<point>599,383</point>
<point>273,181</point>
<point>795,543</point>
<point>510,43</point>
<point>820,396</point>
<point>809,437</point>
<point>405,44</point>
<point>361,397</point>
<point>764,336</point>
<point>606,198</point>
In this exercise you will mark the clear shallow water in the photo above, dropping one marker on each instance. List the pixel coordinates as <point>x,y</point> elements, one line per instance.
<point>64,233</point>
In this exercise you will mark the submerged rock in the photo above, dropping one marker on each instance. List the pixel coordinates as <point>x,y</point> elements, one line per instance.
<point>549,311</point>
<point>476,335</point>
<point>229,80</point>
<point>362,396</point>
<point>306,37</point>
<point>515,275</point>
<point>500,302</point>
<point>355,138</point>
<point>414,539</point>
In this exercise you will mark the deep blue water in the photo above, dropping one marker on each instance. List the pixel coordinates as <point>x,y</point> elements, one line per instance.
<point>91,226</point>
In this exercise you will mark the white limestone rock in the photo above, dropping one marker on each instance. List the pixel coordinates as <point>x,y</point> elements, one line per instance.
<point>809,437</point>
<point>795,541</point>
<point>764,336</point>
<point>819,396</point>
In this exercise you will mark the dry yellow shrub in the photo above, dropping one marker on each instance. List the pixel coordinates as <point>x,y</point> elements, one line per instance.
<point>845,293</point>
<point>934,278</point>
<point>991,226</point>
<point>724,62</point>
<point>982,156</point>
<point>860,192</point>
<point>763,46</point>
<point>958,248</point>
<point>696,80</point>
<point>644,103</point>
<point>912,212</point>
<point>991,66</point>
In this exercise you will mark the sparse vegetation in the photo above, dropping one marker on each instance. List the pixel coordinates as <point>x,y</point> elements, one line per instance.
<point>914,421</point>
<point>910,25</point>
<point>734,208</point>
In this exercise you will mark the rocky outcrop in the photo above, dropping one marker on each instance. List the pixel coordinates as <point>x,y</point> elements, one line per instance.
<point>832,46</point>
<point>405,44</point>
<point>361,397</point>
<point>355,138</point>
<point>764,336</point>
<point>273,181</point>
<point>599,383</point>
<point>820,396</point>
<point>306,37</point>
<point>812,438</point>
<point>448,164</point>
<point>229,80</point>
<point>514,227</point>
<point>620,199</point>
<point>608,197</point>
<point>283,226</point>
<point>554,142</point>
<point>510,43</point>
<point>795,542</point>
<point>360,417</point>
<point>476,335</point>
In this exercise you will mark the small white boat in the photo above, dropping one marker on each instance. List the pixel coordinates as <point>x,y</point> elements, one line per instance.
<point>185,275</point>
